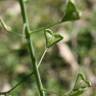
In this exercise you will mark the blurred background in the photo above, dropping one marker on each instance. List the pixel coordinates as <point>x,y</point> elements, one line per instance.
<point>75,53</point>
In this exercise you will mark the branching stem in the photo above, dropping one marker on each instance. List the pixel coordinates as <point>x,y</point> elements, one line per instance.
<point>30,46</point>
<point>27,77</point>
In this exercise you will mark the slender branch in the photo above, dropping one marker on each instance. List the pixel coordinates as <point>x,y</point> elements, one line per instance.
<point>42,57</point>
<point>7,28</point>
<point>4,25</point>
<point>46,27</point>
<point>30,45</point>
<point>27,77</point>
<point>23,80</point>
<point>18,84</point>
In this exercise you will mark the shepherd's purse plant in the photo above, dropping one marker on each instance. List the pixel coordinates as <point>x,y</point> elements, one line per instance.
<point>70,14</point>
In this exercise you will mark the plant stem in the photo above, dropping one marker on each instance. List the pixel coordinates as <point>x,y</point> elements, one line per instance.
<point>42,57</point>
<point>7,28</point>
<point>27,77</point>
<point>46,27</point>
<point>30,45</point>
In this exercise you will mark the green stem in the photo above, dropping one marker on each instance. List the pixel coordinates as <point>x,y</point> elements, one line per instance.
<point>27,77</point>
<point>30,45</point>
<point>7,28</point>
<point>42,57</point>
<point>46,27</point>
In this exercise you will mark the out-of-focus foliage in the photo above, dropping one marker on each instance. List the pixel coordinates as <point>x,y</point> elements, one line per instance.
<point>57,74</point>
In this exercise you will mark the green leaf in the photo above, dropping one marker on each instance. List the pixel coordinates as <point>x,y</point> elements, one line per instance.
<point>52,38</point>
<point>71,12</point>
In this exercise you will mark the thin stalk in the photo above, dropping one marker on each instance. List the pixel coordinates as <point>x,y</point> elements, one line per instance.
<point>7,28</point>
<point>46,27</point>
<point>4,25</point>
<point>42,57</point>
<point>27,77</point>
<point>18,84</point>
<point>30,45</point>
